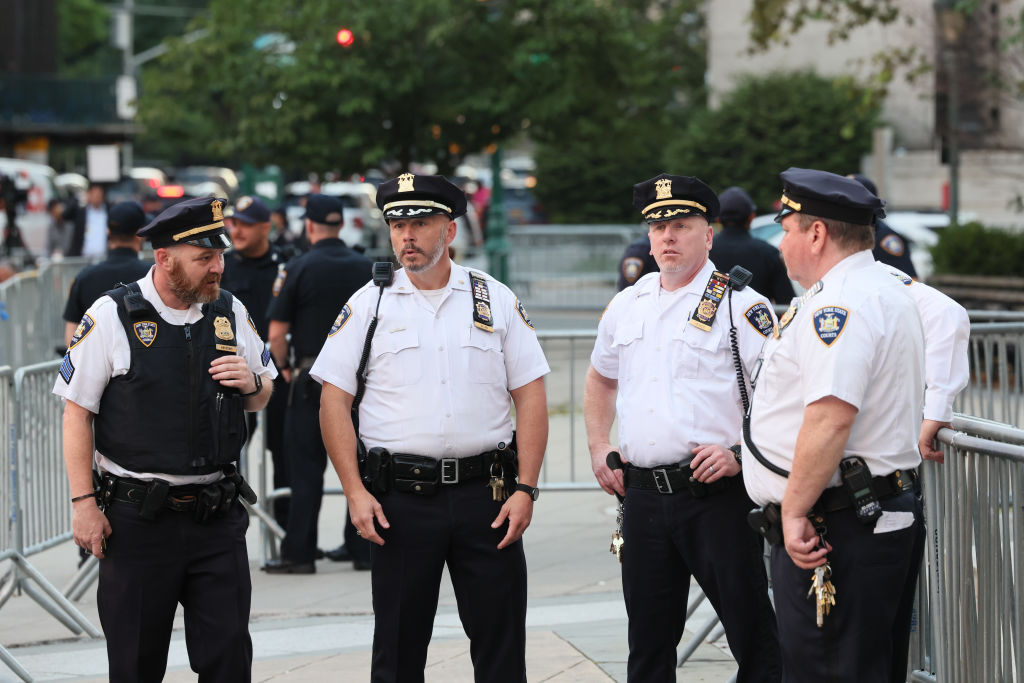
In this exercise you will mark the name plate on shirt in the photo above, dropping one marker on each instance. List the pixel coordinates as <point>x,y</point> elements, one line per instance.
<point>708,306</point>
<point>225,347</point>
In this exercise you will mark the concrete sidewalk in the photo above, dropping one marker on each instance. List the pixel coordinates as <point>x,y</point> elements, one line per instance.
<point>319,627</point>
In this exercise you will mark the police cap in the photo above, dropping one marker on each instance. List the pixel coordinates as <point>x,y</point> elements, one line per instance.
<point>666,197</point>
<point>827,195</point>
<point>736,206</point>
<point>250,210</point>
<point>125,218</point>
<point>324,209</point>
<point>199,222</point>
<point>865,181</point>
<point>414,196</point>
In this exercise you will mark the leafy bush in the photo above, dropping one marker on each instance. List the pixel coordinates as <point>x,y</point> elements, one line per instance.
<point>974,249</point>
<point>770,123</point>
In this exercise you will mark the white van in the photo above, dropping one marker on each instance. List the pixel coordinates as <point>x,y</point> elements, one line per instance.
<point>36,181</point>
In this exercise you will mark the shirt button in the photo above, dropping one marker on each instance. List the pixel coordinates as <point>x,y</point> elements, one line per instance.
<point>447,414</point>
<point>444,381</point>
<point>440,348</point>
<point>651,442</point>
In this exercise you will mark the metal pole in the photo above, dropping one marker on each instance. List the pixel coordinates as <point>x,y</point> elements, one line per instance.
<point>497,244</point>
<point>953,125</point>
<point>128,69</point>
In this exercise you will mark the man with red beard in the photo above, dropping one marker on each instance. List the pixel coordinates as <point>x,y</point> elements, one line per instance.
<point>160,372</point>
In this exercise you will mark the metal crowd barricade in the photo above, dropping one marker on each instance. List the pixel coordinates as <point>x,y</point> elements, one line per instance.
<point>970,605</point>
<point>39,516</point>
<point>996,389</point>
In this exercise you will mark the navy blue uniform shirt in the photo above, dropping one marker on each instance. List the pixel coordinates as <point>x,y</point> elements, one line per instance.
<point>636,262</point>
<point>734,246</point>
<point>316,285</point>
<point>122,265</point>
<point>251,280</point>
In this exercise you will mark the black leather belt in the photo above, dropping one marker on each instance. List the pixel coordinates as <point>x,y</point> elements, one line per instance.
<point>180,498</point>
<point>444,470</point>
<point>672,479</point>
<point>838,498</point>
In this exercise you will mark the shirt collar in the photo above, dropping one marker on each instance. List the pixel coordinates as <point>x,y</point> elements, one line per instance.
<point>854,261</point>
<point>458,278</point>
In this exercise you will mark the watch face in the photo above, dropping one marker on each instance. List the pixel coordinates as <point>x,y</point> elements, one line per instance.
<point>529,490</point>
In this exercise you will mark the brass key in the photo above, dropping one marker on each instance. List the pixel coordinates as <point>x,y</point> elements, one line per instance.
<point>823,591</point>
<point>497,485</point>
<point>617,540</point>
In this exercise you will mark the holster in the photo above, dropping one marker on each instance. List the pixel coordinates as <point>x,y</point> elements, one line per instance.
<point>209,502</point>
<point>767,521</point>
<point>374,467</point>
<point>156,494</point>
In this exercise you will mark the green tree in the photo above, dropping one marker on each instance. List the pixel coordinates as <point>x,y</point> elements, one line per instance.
<point>770,123</point>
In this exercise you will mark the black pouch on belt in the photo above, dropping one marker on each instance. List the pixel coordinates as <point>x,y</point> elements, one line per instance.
<point>415,474</point>
<point>767,521</point>
<point>208,502</point>
<point>229,494</point>
<point>156,494</point>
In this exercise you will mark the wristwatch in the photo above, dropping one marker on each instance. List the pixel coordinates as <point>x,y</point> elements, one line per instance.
<point>259,386</point>
<point>531,491</point>
<point>736,453</point>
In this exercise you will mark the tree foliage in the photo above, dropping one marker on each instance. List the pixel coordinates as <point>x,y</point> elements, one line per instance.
<point>770,123</point>
<point>975,249</point>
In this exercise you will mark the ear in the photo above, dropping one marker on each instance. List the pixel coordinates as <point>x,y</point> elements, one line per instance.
<point>818,234</point>
<point>163,258</point>
<point>450,230</point>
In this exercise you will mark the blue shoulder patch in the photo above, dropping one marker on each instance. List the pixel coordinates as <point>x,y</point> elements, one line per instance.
<point>760,318</point>
<point>82,331</point>
<point>901,276</point>
<point>339,322</point>
<point>67,369</point>
<point>829,322</point>
<point>265,356</point>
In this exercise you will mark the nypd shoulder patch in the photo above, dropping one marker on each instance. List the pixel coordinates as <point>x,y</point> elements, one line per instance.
<point>893,244</point>
<point>67,369</point>
<point>632,266</point>
<point>279,281</point>
<point>265,356</point>
<point>902,277</point>
<point>339,322</point>
<point>82,331</point>
<point>760,318</point>
<point>251,323</point>
<point>829,322</point>
<point>522,314</point>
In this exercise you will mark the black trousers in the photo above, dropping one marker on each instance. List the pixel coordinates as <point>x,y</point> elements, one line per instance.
<point>150,567</point>
<point>668,539</point>
<point>452,527</point>
<point>307,459</point>
<point>865,637</point>
<point>275,412</point>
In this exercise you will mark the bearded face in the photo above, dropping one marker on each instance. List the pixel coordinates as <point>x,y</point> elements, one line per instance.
<point>197,283</point>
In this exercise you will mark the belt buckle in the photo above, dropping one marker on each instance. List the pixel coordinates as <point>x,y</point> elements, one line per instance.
<point>661,480</point>
<point>449,470</point>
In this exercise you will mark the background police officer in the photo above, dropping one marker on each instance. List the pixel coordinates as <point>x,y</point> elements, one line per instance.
<point>121,265</point>
<point>673,385</point>
<point>890,247</point>
<point>636,262</point>
<point>452,352</point>
<point>250,269</point>
<point>840,391</point>
<point>734,246</point>
<point>159,372</point>
<point>307,297</point>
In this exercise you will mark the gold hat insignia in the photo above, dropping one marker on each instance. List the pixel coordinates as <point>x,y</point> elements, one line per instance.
<point>222,328</point>
<point>218,211</point>
<point>664,188</point>
<point>405,182</point>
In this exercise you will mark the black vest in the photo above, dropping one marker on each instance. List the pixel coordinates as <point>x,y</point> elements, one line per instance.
<point>167,414</point>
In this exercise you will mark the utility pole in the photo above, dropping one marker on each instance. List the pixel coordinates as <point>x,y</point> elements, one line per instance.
<point>127,90</point>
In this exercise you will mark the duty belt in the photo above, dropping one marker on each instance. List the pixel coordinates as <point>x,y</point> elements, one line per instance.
<point>444,470</point>
<point>838,498</point>
<point>179,498</point>
<point>672,479</point>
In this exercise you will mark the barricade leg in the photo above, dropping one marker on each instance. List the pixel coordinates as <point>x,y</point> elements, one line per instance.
<point>12,664</point>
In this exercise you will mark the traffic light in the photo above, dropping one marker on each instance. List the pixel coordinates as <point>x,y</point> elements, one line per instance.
<point>345,37</point>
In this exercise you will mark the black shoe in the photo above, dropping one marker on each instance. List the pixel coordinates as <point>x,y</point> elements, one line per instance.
<point>320,554</point>
<point>339,554</point>
<point>362,565</point>
<point>283,566</point>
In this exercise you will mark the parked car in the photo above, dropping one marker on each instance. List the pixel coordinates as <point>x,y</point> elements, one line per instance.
<point>201,181</point>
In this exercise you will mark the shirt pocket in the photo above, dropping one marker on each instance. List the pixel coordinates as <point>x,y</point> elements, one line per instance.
<point>695,351</point>
<point>625,344</point>
<point>397,360</point>
<point>485,362</point>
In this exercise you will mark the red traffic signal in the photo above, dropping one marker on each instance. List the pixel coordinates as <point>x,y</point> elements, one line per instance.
<point>345,37</point>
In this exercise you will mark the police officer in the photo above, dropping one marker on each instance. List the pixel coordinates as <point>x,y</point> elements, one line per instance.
<point>890,246</point>
<point>734,246</point>
<point>159,372</point>
<point>451,348</point>
<point>121,265</point>
<point>837,405</point>
<point>307,297</point>
<point>672,381</point>
<point>250,269</point>
<point>636,262</point>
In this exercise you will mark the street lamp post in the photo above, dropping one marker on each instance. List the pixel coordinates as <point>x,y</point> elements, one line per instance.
<point>951,21</point>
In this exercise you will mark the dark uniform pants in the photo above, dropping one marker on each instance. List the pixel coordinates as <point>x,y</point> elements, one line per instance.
<point>150,567</point>
<point>866,636</point>
<point>307,459</point>
<point>668,539</point>
<point>453,527</point>
<point>275,413</point>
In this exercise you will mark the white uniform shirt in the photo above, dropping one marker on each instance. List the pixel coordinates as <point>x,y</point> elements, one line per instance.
<point>103,353</point>
<point>677,385</point>
<point>858,339</point>
<point>436,385</point>
<point>947,331</point>
<point>94,241</point>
